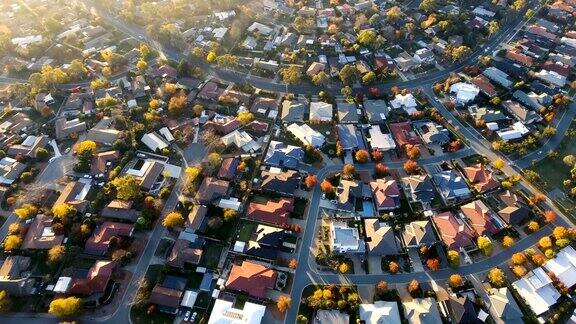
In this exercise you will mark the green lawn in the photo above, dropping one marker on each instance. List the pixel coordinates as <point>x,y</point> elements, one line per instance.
<point>246,230</point>
<point>139,315</point>
<point>211,255</point>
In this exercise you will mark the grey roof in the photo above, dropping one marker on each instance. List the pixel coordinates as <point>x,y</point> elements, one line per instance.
<point>503,303</point>
<point>420,186</point>
<point>347,136</point>
<point>282,155</point>
<point>422,311</point>
<point>527,100</point>
<point>347,112</point>
<point>451,185</point>
<point>376,110</point>
<point>292,111</point>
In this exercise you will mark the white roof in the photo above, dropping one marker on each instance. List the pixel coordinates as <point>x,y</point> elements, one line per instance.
<point>219,32</point>
<point>321,111</point>
<point>262,29</point>
<point>408,102</point>
<point>380,140</point>
<point>306,134</point>
<point>242,140</point>
<point>189,298</point>
<point>381,312</point>
<point>552,77</point>
<point>164,131</point>
<point>224,313</point>
<point>564,266</point>
<point>231,203</point>
<point>154,142</point>
<point>465,92</point>
<point>537,290</point>
<point>62,284</point>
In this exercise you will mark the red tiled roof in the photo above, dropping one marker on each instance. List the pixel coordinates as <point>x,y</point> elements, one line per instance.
<point>167,297</point>
<point>454,233</point>
<point>96,280</point>
<point>521,58</point>
<point>228,169</point>
<point>541,31</point>
<point>485,85</point>
<point>252,278</point>
<point>99,242</point>
<point>273,212</point>
<point>481,178</point>
<point>479,216</point>
<point>557,67</point>
<point>404,134</point>
<point>386,193</point>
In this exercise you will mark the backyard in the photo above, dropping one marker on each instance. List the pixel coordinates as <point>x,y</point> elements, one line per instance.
<point>211,255</point>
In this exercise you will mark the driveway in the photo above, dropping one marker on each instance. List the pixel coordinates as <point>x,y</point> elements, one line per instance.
<point>415,259</point>
<point>375,264</point>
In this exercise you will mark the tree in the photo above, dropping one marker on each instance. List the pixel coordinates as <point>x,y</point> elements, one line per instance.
<point>377,155</point>
<point>5,302</point>
<point>42,154</point>
<point>327,187</point>
<point>485,245</point>
<point>549,216</point>
<point>369,77</point>
<point>176,105</point>
<point>498,164</point>
<point>453,258</point>
<point>433,264</point>
<point>77,70</point>
<point>538,259</point>
<point>459,52</point>
<point>320,78</point>
<point>493,27</point>
<point>63,210</point>
<point>65,307</point>
<point>455,280</point>
<point>293,264</point>
<point>56,254</point>
<point>283,303</point>
<point>211,57</point>
<point>518,258</point>
<point>291,75</point>
<point>412,152</point>
<point>173,219</point>
<point>310,181</point>
<point>533,226</point>
<point>519,271</point>
<point>12,242</point>
<point>411,166</point>
<point>381,287</point>
<point>127,187</point>
<point>518,5</point>
<point>142,66</point>
<point>86,149</point>
<point>348,170</point>
<point>496,277</point>
<point>343,267</point>
<point>507,241</point>
<point>192,173</point>
<point>26,211</point>
<point>413,287</point>
<point>381,170</point>
<point>569,160</point>
<point>14,229</point>
<point>362,156</point>
<point>229,214</point>
<point>348,73</point>
<point>245,117</point>
<point>393,13</point>
<point>427,5</point>
<point>560,232</point>
<point>393,267</point>
<point>545,243</point>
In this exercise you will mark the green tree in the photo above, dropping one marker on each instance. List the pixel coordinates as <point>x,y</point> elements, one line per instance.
<point>348,73</point>
<point>320,78</point>
<point>42,154</point>
<point>367,37</point>
<point>428,5</point>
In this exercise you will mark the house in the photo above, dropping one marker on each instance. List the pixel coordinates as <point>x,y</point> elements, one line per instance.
<point>563,266</point>
<point>514,214</point>
<point>194,220</point>
<point>74,194</point>
<point>462,309</point>
<point>376,110</point>
<point>347,112</point>
<point>381,312</point>
<point>498,76</point>
<point>146,172</point>
<point>537,290</point>
<point>481,178</point>
<point>453,231</point>
<point>251,278</point>
<point>480,217</point>
<point>404,134</point>
<point>386,194</point>
<point>432,133</point>
<point>306,135</point>
<point>282,182</point>
<point>551,77</point>
<point>515,131</point>
<point>504,306</point>
<point>29,146</point>
<point>64,128</point>
<point>99,242</point>
<point>345,239</point>
<point>315,68</point>
<point>139,87</point>
<point>40,235</point>
<point>120,209</point>
<point>10,170</point>
<point>487,115</point>
<point>406,102</point>
<point>292,111</point>
<point>211,190</point>
<point>331,317</point>
<point>379,140</point>
<point>347,136</point>
<point>521,113</point>
<point>262,105</point>
<point>187,250</point>
<point>418,233</point>
<point>167,299</point>
<point>420,188</point>
<point>259,28</point>
<point>424,56</point>
<point>517,56</point>
<point>465,92</point>
<point>226,312</point>
<point>422,311</point>
<point>210,91</point>
<point>484,85</point>
<point>96,280</point>
<point>222,124</point>
<point>15,276</point>
<point>228,169</point>
<point>529,100</point>
<point>241,140</point>
<point>451,185</point>
<point>265,242</point>
<point>380,238</point>
<point>154,141</point>
<point>103,133</point>
<point>282,155</point>
<point>320,111</point>
<point>272,212</point>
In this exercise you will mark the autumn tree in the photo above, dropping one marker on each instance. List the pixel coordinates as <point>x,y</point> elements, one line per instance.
<point>245,117</point>
<point>173,219</point>
<point>142,66</point>
<point>14,229</point>
<point>485,245</point>
<point>549,216</point>
<point>86,149</point>
<point>498,164</point>
<point>496,277</point>
<point>412,152</point>
<point>63,210</point>
<point>381,170</point>
<point>176,105</point>
<point>343,267</point>
<point>411,166</point>
<point>393,267</point>
<point>26,211</point>
<point>538,259</point>
<point>381,287</point>
<point>453,258</point>
<point>377,155</point>
<point>327,187</point>
<point>127,187</point>
<point>65,307</point>
<point>362,156</point>
<point>229,214</point>
<point>348,170</point>
<point>533,226</point>
<point>518,258</point>
<point>56,254</point>
<point>413,287</point>
<point>427,5</point>
<point>283,303</point>
<point>291,74</point>
<point>507,241</point>
<point>560,232</point>
<point>5,302</point>
<point>12,242</point>
<point>433,264</point>
<point>310,181</point>
<point>519,271</point>
<point>455,280</point>
<point>293,263</point>
<point>545,243</point>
